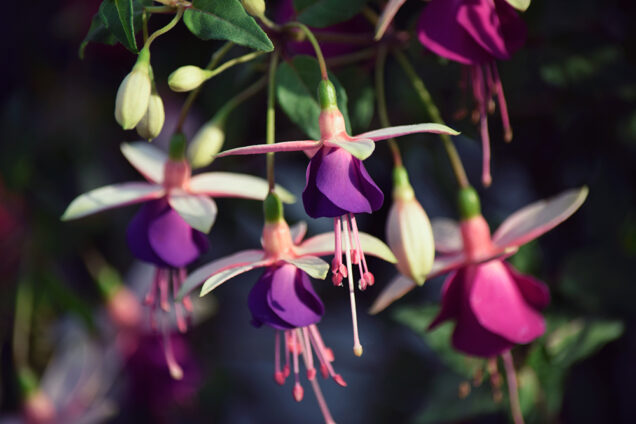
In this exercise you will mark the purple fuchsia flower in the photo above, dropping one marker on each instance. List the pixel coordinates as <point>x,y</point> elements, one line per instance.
<point>476,33</point>
<point>338,185</point>
<point>494,306</point>
<point>283,298</point>
<point>168,231</point>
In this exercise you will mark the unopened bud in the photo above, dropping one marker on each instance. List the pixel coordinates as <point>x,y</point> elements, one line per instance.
<point>206,143</point>
<point>187,78</point>
<point>409,231</point>
<point>133,94</point>
<point>152,122</point>
<point>255,8</point>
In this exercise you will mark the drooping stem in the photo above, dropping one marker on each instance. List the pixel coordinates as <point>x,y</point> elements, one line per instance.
<point>271,115</point>
<point>315,45</point>
<point>163,30</point>
<point>216,58</point>
<point>380,64</point>
<point>513,393</point>
<point>425,97</point>
<point>233,62</point>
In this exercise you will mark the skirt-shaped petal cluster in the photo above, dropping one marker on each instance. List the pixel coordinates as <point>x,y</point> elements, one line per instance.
<point>284,298</point>
<point>157,234</point>
<point>337,184</point>
<point>471,31</point>
<point>494,308</point>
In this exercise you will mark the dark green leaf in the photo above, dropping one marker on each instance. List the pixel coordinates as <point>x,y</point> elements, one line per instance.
<point>97,33</point>
<point>418,318</point>
<point>361,97</point>
<point>225,20</point>
<point>323,13</point>
<point>296,91</point>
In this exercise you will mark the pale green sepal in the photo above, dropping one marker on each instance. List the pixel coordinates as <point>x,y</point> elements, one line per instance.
<point>312,265</point>
<point>360,148</point>
<point>520,5</point>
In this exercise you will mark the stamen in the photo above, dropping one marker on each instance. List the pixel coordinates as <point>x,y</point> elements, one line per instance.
<point>176,371</point>
<point>491,89</point>
<point>337,268</point>
<point>322,403</point>
<point>479,91</point>
<point>286,370</point>
<point>309,357</point>
<point>357,347</point>
<point>325,356</point>
<point>152,293</point>
<point>495,380</point>
<point>278,374</point>
<point>180,314</point>
<point>502,105</point>
<point>513,394</point>
<point>366,277</point>
<point>298,389</point>
<point>163,290</point>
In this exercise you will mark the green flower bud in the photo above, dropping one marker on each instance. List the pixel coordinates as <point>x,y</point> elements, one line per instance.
<point>327,95</point>
<point>255,8</point>
<point>206,143</point>
<point>187,78</point>
<point>272,208</point>
<point>152,122</point>
<point>133,94</point>
<point>468,202</point>
<point>177,147</point>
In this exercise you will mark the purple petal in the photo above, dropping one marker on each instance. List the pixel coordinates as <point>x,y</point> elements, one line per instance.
<point>479,18</point>
<point>451,297</point>
<point>137,232</point>
<point>534,291</point>
<point>293,299</point>
<point>338,183</point>
<point>471,338</point>
<point>512,26</point>
<point>257,303</point>
<point>499,306</point>
<point>439,31</point>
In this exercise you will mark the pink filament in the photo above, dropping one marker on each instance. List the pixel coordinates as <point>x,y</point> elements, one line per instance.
<point>502,104</point>
<point>480,96</point>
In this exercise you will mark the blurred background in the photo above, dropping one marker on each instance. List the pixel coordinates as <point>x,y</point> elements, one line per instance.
<point>571,93</point>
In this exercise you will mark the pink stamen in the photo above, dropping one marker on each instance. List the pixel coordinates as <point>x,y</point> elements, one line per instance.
<point>309,357</point>
<point>503,106</point>
<point>325,356</point>
<point>513,393</point>
<point>163,291</point>
<point>322,403</point>
<point>286,368</point>
<point>176,371</point>
<point>337,268</point>
<point>357,347</point>
<point>152,293</point>
<point>278,374</point>
<point>298,390</point>
<point>367,279</point>
<point>314,383</point>
<point>479,92</point>
<point>491,89</point>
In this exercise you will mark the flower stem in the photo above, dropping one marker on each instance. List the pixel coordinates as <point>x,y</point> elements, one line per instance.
<point>216,58</point>
<point>380,63</point>
<point>425,97</point>
<point>235,61</point>
<point>312,39</point>
<point>163,30</point>
<point>513,393</point>
<point>271,116</point>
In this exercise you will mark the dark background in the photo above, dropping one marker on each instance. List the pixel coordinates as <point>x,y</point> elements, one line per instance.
<point>571,93</point>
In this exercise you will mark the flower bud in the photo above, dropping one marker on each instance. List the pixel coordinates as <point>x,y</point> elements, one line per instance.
<point>187,78</point>
<point>152,122</point>
<point>255,8</point>
<point>409,231</point>
<point>206,143</point>
<point>133,94</point>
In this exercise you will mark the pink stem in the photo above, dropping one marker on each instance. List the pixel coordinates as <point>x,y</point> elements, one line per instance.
<point>513,393</point>
<point>321,402</point>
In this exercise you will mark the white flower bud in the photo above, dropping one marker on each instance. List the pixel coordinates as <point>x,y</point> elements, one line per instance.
<point>133,94</point>
<point>409,233</point>
<point>254,7</point>
<point>152,122</point>
<point>206,143</point>
<point>187,78</point>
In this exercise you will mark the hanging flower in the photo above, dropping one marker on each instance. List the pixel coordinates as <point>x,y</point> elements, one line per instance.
<point>476,33</point>
<point>493,305</point>
<point>338,186</point>
<point>168,231</point>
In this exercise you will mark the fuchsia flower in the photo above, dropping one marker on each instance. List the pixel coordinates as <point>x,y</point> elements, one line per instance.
<point>283,297</point>
<point>476,33</point>
<point>168,231</point>
<point>338,186</point>
<point>493,305</point>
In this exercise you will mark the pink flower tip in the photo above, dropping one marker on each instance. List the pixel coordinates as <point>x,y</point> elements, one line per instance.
<point>298,392</point>
<point>279,377</point>
<point>338,379</point>
<point>311,374</point>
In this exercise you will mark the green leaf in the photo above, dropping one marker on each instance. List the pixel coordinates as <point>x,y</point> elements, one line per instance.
<point>116,21</point>
<point>418,318</point>
<point>361,97</point>
<point>296,85</point>
<point>323,13</point>
<point>520,5</point>
<point>225,20</point>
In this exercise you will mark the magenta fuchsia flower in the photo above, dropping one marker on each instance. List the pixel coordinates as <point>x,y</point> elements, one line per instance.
<point>338,186</point>
<point>494,306</point>
<point>168,231</point>
<point>476,33</point>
